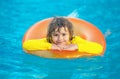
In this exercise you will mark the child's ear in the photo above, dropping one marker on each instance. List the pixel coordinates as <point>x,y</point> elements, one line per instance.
<point>50,39</point>
<point>72,36</point>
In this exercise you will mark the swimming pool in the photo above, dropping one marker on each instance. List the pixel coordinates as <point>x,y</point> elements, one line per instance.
<point>18,15</point>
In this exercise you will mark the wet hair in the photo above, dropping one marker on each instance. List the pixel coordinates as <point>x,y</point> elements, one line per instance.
<point>58,23</point>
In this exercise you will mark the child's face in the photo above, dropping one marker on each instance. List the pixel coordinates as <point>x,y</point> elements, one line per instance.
<point>61,37</point>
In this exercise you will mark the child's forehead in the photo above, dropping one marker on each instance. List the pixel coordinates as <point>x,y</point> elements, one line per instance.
<point>63,29</point>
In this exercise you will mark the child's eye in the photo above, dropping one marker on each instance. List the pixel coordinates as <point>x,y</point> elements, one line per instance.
<point>55,34</point>
<point>64,34</point>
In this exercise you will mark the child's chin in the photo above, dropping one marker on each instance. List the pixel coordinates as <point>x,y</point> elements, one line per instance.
<point>61,44</point>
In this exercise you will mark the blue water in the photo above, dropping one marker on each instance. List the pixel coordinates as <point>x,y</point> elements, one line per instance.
<point>16,16</point>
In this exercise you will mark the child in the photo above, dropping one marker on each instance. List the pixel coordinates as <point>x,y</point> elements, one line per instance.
<point>60,36</point>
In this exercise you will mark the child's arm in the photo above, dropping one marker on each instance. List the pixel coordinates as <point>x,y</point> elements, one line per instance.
<point>39,44</point>
<point>87,46</point>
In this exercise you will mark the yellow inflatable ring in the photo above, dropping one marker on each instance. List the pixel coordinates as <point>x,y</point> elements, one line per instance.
<point>81,28</point>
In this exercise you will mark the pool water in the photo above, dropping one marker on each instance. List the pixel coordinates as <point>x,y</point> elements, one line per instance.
<point>16,17</point>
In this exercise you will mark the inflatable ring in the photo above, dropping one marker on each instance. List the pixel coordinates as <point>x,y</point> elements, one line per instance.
<point>81,28</point>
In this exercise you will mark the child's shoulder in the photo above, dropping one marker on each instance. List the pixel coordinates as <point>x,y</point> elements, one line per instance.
<point>77,39</point>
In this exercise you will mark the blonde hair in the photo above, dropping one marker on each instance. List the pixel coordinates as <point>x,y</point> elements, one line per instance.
<point>57,23</point>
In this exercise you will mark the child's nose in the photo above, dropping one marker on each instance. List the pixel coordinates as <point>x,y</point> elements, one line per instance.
<point>60,37</point>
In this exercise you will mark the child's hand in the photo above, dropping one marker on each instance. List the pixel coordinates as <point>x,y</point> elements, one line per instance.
<point>55,47</point>
<point>71,47</point>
